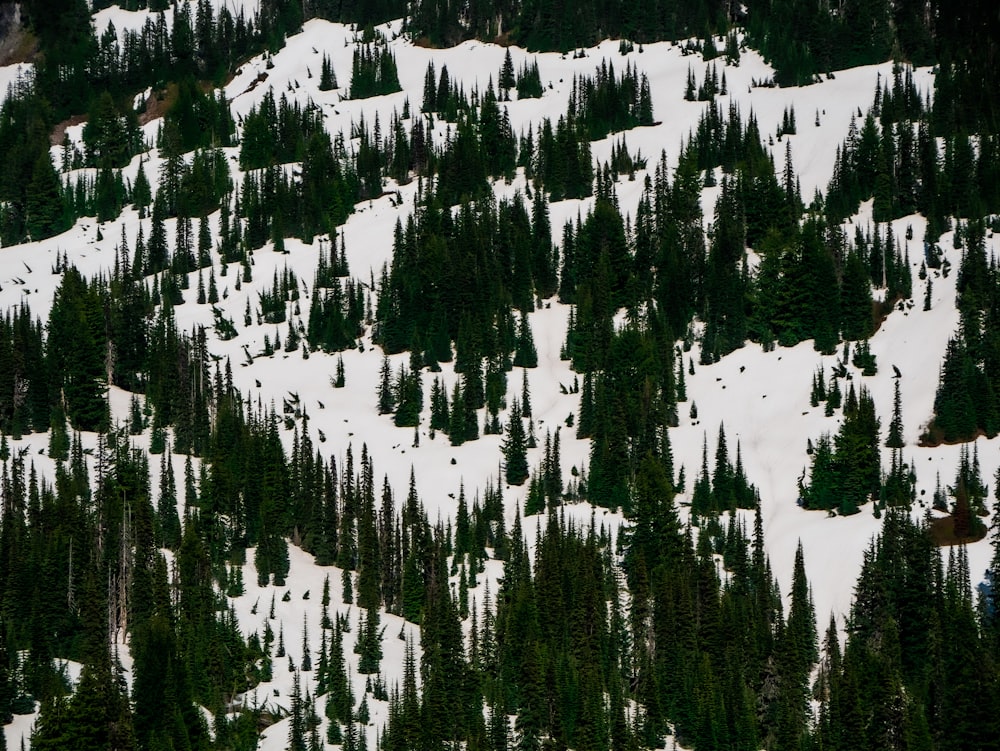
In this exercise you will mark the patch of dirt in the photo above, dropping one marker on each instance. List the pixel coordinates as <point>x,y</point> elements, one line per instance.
<point>942,531</point>
<point>59,131</point>
<point>933,436</point>
<point>158,104</point>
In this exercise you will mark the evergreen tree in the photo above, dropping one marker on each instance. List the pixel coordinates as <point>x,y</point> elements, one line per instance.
<point>369,643</point>
<point>515,448</point>
<point>894,438</point>
<point>45,210</point>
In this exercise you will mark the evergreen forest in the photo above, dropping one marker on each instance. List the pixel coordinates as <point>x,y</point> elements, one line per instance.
<point>525,376</point>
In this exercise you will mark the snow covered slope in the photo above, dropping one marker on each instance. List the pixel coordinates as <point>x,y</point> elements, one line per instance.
<point>762,397</point>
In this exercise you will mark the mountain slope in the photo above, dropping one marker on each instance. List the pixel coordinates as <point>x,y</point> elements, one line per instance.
<point>761,397</point>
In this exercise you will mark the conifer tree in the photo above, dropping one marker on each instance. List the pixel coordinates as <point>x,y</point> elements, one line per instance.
<point>457,424</point>
<point>505,79</point>
<point>369,644</point>
<point>45,209</point>
<point>515,448</point>
<point>525,356</point>
<point>386,393</point>
<point>894,438</point>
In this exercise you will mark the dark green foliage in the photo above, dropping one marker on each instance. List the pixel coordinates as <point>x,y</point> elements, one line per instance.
<point>448,280</point>
<point>606,103</point>
<point>163,700</point>
<point>337,308</point>
<point>514,448</point>
<point>201,120</point>
<point>911,642</point>
<point>708,658</point>
<point>369,644</point>
<point>894,437</point>
<point>525,354</point>
<point>327,76</point>
<point>856,299</point>
<point>373,72</point>
<point>23,370</point>
<point>97,714</point>
<point>819,41</point>
<point>562,160</point>
<point>546,26</point>
<point>409,396</point>
<point>277,132</point>
<point>846,471</point>
<point>529,81</point>
<point>966,401</point>
<point>76,350</point>
<point>725,317</point>
<point>275,205</point>
<point>111,136</point>
<point>726,488</point>
<point>46,212</point>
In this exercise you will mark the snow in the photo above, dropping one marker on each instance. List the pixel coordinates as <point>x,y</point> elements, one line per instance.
<point>128,20</point>
<point>762,397</point>
<point>18,731</point>
<point>9,74</point>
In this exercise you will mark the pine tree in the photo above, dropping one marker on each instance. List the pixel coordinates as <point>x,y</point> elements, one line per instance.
<point>327,78</point>
<point>297,721</point>
<point>525,356</point>
<point>45,209</point>
<point>458,428</point>
<point>386,393</point>
<point>894,438</point>
<point>525,394</point>
<point>515,448</point>
<point>505,79</point>
<point>369,644</point>
<point>306,655</point>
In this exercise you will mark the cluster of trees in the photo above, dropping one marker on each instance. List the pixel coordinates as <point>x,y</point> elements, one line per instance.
<point>966,402</point>
<point>38,205</point>
<point>606,103</point>
<point>847,470</point>
<point>455,276</point>
<point>564,656</point>
<point>894,159</point>
<point>373,71</point>
<point>97,72</point>
<point>801,39</point>
<point>443,96</point>
<point>714,662</point>
<point>33,205</point>
<point>81,569</point>
<point>804,40</point>
<point>918,668</point>
<point>277,133</point>
<point>712,659</point>
<point>545,25</point>
<point>337,310</point>
<point>81,63</point>
<point>727,487</point>
<point>528,81</point>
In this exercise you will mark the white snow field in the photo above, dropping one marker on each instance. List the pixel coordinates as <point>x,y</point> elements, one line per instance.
<point>762,397</point>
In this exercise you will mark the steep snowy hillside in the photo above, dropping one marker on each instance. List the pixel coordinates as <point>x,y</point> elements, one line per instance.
<point>762,398</point>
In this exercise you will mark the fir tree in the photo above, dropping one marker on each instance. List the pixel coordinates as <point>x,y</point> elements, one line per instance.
<point>369,644</point>
<point>515,448</point>
<point>894,438</point>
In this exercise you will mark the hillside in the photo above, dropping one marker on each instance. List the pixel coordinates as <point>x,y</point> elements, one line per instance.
<point>758,391</point>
